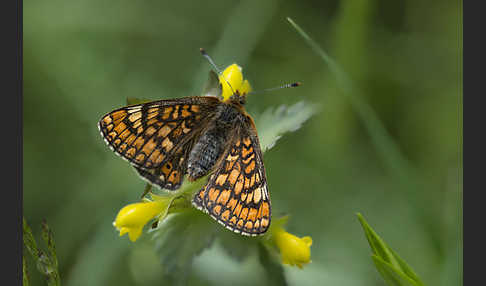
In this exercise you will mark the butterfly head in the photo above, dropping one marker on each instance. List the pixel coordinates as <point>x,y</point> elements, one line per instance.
<point>234,87</point>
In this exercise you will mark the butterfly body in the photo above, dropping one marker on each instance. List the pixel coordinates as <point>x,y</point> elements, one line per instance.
<point>209,147</point>
<point>196,136</point>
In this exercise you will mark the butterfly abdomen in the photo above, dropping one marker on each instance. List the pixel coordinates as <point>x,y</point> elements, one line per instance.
<point>210,145</point>
<point>204,154</point>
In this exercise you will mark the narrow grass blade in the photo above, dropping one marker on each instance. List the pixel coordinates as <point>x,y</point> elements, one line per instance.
<point>46,262</point>
<point>392,267</point>
<point>383,142</point>
<point>49,240</point>
<point>29,241</point>
<point>25,273</point>
<point>392,275</point>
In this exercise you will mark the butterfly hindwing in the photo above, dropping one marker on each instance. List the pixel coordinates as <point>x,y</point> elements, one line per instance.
<point>170,175</point>
<point>236,194</point>
<point>147,135</point>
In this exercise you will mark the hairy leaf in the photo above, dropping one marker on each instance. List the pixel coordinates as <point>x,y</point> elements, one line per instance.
<point>272,266</point>
<point>179,238</point>
<point>236,245</point>
<point>274,122</point>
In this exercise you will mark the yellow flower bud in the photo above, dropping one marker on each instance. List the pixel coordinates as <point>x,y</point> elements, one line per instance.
<point>233,75</point>
<point>294,250</point>
<point>133,217</point>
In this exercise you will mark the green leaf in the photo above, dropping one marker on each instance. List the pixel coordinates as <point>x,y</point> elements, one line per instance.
<point>274,122</point>
<point>236,245</point>
<point>392,275</point>
<point>386,260</point>
<point>179,238</point>
<point>272,266</point>
<point>241,247</point>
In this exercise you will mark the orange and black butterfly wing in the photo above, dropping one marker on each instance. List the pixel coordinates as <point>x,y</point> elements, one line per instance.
<point>236,194</point>
<point>170,175</point>
<point>155,136</point>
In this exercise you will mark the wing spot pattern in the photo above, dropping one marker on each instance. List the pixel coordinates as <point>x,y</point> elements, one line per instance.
<point>217,210</point>
<point>257,195</point>
<point>233,176</point>
<point>221,179</point>
<point>225,215</point>
<point>224,197</point>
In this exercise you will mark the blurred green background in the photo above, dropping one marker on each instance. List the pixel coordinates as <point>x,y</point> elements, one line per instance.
<point>82,59</point>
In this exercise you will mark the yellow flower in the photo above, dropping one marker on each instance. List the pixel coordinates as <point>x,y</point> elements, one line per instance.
<point>234,77</point>
<point>133,217</point>
<point>294,250</point>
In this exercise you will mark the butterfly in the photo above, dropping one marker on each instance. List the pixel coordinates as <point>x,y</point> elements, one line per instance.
<point>196,136</point>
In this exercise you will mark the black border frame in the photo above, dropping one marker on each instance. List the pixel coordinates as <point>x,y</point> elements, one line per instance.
<point>11,19</point>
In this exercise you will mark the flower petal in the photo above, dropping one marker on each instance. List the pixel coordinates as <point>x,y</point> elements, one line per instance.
<point>133,217</point>
<point>231,81</point>
<point>294,250</point>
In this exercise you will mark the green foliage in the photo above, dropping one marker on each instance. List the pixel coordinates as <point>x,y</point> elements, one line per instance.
<point>384,143</point>
<point>392,268</point>
<point>179,238</point>
<point>236,245</point>
<point>25,274</point>
<point>274,122</point>
<point>273,267</point>
<point>46,261</point>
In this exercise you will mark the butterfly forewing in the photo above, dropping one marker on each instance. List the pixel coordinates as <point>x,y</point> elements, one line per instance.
<point>147,135</point>
<point>236,194</point>
<point>155,137</point>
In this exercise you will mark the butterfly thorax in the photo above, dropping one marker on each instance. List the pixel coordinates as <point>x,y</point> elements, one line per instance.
<point>211,144</point>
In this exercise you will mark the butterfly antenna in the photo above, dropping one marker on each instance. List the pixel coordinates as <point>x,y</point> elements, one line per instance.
<point>203,52</point>
<point>295,84</point>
